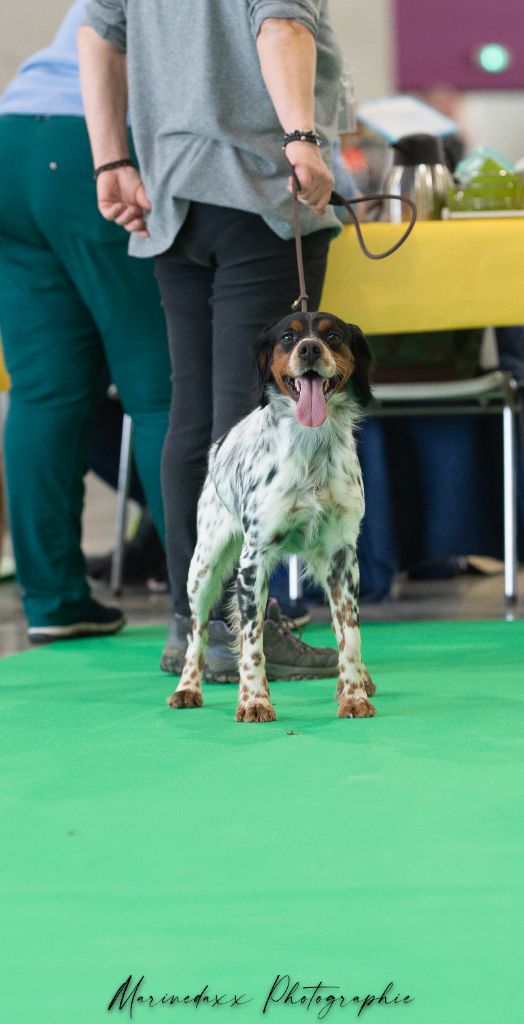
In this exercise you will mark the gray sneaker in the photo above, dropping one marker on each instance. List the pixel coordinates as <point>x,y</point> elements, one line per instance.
<point>221,664</point>
<point>287,657</point>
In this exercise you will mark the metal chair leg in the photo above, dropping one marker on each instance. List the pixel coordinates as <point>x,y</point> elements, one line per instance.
<point>295,583</point>
<point>510,499</point>
<point>124,473</point>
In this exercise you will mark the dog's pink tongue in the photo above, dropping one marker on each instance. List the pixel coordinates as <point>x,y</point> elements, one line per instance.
<point>310,409</point>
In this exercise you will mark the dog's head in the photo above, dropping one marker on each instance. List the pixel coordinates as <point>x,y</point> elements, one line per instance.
<point>310,358</point>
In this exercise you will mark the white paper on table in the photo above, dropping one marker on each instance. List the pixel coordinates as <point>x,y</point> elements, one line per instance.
<point>395,116</point>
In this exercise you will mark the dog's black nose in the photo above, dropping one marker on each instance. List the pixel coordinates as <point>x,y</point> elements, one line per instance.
<point>309,351</point>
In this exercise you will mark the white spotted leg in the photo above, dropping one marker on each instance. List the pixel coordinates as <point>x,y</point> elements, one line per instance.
<point>188,693</point>
<point>215,555</point>
<point>354,683</point>
<point>254,700</point>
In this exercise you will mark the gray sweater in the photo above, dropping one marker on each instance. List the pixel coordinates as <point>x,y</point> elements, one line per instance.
<point>204,126</point>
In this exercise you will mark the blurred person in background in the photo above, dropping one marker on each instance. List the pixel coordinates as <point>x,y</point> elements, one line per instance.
<point>71,300</point>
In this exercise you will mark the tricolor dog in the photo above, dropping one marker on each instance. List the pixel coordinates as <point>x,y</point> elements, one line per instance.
<point>286,480</point>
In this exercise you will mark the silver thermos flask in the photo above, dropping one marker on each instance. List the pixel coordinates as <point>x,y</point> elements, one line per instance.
<point>419,172</point>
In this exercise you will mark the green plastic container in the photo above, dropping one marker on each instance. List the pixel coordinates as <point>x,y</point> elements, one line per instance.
<point>484,180</point>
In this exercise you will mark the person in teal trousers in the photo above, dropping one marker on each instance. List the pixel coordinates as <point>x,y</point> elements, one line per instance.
<point>70,299</point>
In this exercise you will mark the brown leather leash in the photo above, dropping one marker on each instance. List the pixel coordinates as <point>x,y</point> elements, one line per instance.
<point>338,200</point>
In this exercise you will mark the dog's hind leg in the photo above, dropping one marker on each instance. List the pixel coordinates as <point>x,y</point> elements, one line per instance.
<point>254,701</point>
<point>342,582</point>
<point>213,561</point>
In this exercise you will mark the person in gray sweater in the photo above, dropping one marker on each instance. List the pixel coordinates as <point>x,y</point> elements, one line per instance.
<point>224,95</point>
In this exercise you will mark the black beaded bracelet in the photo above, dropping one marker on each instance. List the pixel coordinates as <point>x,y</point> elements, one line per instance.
<point>113,166</point>
<point>301,136</point>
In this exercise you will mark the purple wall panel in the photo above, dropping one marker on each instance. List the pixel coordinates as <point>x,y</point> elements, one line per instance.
<point>436,42</point>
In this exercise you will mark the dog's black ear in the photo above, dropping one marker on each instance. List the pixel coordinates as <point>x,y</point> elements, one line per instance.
<point>361,376</point>
<point>263,350</point>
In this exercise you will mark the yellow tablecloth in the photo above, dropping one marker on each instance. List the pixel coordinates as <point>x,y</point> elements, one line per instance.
<point>449,274</point>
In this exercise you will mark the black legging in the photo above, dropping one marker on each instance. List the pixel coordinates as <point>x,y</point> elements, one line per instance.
<point>224,278</point>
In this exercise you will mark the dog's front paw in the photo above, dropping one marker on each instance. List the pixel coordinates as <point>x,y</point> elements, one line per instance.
<point>185,699</point>
<point>256,711</point>
<point>356,707</point>
<point>367,683</point>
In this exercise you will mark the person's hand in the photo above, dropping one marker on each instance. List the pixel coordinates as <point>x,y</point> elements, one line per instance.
<point>122,198</point>
<point>315,177</point>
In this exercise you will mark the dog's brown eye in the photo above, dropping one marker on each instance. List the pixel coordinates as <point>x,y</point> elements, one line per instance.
<point>333,336</point>
<point>287,337</point>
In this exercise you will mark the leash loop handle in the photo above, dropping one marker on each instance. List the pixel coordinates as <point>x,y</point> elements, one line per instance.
<point>337,200</point>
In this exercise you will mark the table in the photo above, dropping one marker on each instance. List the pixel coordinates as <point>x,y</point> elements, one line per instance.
<point>449,274</point>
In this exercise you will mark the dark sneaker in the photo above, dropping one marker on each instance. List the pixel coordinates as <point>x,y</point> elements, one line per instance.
<point>97,621</point>
<point>295,611</point>
<point>287,657</point>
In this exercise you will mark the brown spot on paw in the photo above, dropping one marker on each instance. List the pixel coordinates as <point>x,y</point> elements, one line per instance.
<point>185,699</point>
<point>256,711</point>
<point>369,685</point>
<point>356,707</point>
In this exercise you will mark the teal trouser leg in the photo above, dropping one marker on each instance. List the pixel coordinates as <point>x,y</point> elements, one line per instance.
<point>70,297</point>
<point>54,386</point>
<point>130,321</point>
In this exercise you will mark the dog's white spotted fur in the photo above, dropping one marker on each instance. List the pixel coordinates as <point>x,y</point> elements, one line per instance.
<point>276,487</point>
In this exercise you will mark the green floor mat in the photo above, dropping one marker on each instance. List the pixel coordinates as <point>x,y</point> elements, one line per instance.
<point>189,850</point>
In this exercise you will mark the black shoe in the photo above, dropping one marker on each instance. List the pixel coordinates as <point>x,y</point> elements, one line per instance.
<point>97,621</point>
